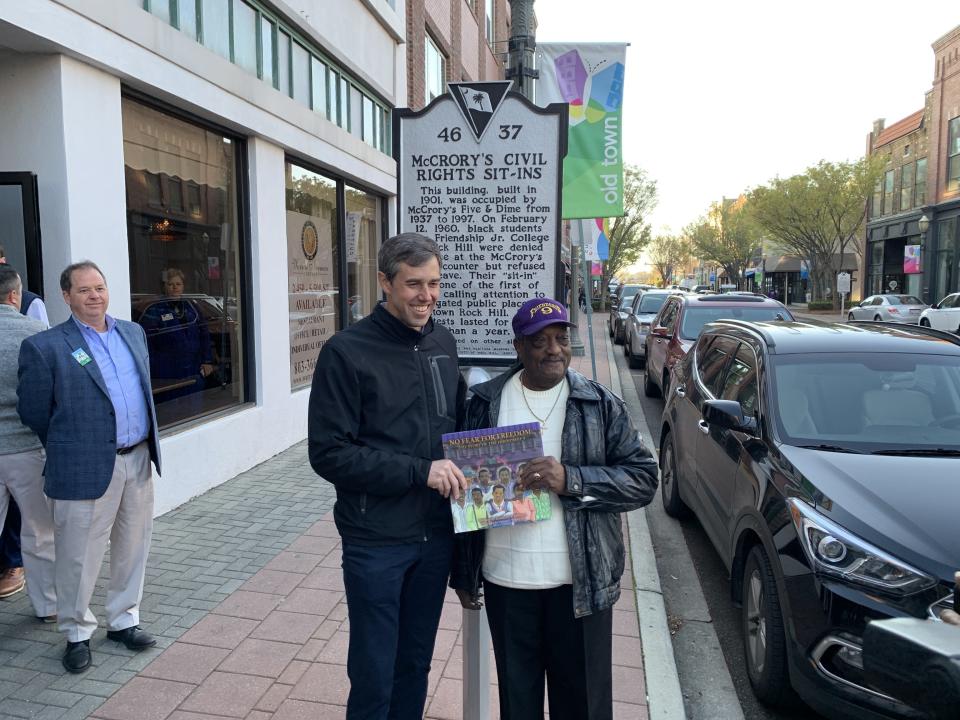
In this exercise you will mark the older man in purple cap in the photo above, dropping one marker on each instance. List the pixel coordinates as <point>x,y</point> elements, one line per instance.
<point>556,579</point>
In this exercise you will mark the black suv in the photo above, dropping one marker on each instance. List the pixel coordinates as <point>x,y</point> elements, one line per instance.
<point>822,461</point>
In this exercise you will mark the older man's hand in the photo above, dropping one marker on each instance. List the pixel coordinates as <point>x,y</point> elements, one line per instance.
<point>447,479</point>
<point>544,473</point>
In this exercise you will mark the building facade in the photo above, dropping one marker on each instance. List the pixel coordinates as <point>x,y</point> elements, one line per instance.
<point>920,188</point>
<point>227,163</point>
<point>454,41</point>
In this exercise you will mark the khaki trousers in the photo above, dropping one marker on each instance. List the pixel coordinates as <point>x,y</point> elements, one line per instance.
<point>124,515</point>
<point>21,475</point>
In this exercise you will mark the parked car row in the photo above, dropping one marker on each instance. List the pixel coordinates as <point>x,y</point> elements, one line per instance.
<point>819,459</point>
<point>909,310</point>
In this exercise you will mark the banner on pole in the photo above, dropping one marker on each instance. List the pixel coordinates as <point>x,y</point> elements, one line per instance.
<point>588,76</point>
<point>594,234</point>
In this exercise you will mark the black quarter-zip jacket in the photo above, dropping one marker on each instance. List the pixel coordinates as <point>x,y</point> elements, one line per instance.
<point>382,396</point>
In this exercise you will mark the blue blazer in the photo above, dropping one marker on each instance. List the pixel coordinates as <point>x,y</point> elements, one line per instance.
<point>67,405</point>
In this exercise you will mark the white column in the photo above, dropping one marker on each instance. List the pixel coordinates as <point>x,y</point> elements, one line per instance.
<point>268,271</point>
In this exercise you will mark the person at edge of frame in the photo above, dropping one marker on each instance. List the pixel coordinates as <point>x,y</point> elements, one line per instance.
<point>12,576</point>
<point>558,579</point>
<point>384,392</point>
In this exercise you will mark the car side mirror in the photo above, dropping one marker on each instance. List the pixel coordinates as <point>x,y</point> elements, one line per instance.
<point>660,331</point>
<point>916,661</point>
<point>728,414</point>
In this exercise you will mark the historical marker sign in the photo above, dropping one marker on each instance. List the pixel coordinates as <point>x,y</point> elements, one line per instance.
<point>480,172</point>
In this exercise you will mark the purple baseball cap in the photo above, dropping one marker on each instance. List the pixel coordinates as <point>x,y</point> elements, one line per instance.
<point>536,314</point>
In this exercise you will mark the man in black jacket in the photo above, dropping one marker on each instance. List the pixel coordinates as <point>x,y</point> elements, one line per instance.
<point>384,391</point>
<point>556,580</point>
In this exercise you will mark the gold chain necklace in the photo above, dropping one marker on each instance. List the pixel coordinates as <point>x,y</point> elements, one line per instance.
<point>543,421</point>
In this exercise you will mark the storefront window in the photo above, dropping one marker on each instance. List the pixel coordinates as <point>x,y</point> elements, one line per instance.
<point>947,279</point>
<point>875,269</point>
<point>215,21</point>
<point>312,268</point>
<point>888,192</point>
<point>364,231</point>
<point>183,219</point>
<point>953,155</point>
<point>920,196</point>
<point>906,187</point>
<point>245,36</point>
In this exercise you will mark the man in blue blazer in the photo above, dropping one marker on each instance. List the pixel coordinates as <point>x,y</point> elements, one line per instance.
<point>84,388</point>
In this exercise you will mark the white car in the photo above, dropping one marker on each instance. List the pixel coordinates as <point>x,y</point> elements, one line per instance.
<point>945,315</point>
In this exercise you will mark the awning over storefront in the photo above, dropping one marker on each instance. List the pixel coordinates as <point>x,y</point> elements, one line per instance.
<point>791,263</point>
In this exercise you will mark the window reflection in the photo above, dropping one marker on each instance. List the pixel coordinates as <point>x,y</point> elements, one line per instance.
<point>182,220</point>
<point>312,268</point>
<point>363,233</point>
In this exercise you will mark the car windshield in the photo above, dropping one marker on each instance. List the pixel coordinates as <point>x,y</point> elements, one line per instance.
<point>903,300</point>
<point>696,317</point>
<point>869,402</point>
<point>651,303</point>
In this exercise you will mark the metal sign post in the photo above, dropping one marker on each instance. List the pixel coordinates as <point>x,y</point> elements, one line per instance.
<point>843,287</point>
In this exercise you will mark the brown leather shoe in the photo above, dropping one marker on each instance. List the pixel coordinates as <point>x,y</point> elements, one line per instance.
<point>11,581</point>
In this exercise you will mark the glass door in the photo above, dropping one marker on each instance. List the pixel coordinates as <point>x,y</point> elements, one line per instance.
<point>20,220</point>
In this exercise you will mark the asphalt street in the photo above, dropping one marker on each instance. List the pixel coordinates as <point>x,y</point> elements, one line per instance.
<point>714,581</point>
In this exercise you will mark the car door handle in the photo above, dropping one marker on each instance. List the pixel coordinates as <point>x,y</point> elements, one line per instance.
<point>704,428</point>
<point>680,391</point>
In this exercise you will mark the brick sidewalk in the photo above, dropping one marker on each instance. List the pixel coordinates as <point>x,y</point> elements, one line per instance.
<point>245,594</point>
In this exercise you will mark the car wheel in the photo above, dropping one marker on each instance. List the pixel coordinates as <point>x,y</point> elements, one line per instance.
<point>669,490</point>
<point>924,322</point>
<point>850,317</point>
<point>649,388</point>
<point>877,318</point>
<point>764,640</point>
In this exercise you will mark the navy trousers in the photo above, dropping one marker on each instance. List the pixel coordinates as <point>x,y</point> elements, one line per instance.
<point>535,636</point>
<point>394,599</point>
<point>10,539</point>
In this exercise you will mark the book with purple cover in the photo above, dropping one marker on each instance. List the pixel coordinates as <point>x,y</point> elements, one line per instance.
<point>491,460</point>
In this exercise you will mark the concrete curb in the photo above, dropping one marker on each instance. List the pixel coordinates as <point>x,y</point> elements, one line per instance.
<point>664,696</point>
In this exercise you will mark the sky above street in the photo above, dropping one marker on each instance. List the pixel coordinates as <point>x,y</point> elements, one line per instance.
<point>721,96</point>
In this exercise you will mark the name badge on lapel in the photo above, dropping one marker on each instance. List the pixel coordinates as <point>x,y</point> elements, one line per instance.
<point>81,356</point>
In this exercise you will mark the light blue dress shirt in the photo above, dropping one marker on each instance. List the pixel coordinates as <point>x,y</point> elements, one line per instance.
<point>119,370</point>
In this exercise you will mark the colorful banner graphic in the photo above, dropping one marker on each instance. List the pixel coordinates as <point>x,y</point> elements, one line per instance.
<point>911,259</point>
<point>596,244</point>
<point>588,76</point>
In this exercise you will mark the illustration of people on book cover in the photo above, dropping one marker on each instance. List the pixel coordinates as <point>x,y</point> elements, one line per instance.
<point>491,460</point>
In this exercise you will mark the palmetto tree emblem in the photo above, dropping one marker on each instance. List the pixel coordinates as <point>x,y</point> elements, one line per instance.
<point>478,98</point>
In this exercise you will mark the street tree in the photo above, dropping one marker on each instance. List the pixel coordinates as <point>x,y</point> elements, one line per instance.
<point>818,214</point>
<point>630,233</point>
<point>726,236</point>
<point>666,254</point>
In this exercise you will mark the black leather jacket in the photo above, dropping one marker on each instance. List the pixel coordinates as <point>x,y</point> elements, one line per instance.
<point>608,470</point>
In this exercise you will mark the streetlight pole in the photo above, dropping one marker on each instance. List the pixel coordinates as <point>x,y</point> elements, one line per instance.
<point>522,44</point>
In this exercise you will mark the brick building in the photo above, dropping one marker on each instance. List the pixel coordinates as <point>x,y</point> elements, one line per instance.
<point>454,41</point>
<point>921,179</point>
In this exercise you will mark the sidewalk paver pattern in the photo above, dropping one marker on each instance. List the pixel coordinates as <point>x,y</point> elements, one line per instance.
<point>245,595</point>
